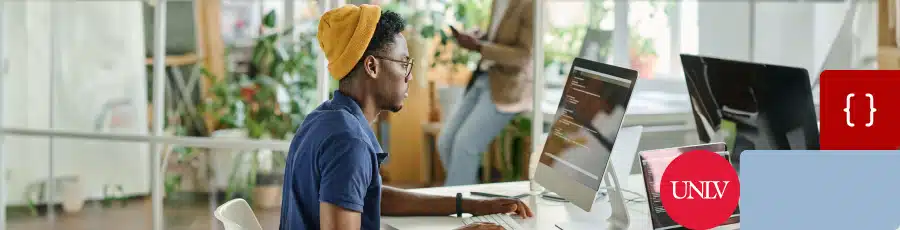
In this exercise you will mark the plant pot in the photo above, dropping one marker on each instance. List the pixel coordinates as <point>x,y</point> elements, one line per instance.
<point>645,64</point>
<point>72,195</point>
<point>267,196</point>
<point>267,192</point>
<point>222,161</point>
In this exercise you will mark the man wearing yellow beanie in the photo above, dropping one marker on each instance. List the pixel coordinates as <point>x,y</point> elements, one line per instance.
<point>332,178</point>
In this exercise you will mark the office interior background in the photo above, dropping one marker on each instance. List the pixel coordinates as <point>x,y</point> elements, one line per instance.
<point>80,121</point>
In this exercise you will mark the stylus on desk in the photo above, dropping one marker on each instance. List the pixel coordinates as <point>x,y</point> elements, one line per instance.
<point>484,194</point>
<point>553,197</point>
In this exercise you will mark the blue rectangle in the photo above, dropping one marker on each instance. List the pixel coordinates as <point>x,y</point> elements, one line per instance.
<point>820,190</point>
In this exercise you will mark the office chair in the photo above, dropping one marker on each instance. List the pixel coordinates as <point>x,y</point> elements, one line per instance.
<point>237,215</point>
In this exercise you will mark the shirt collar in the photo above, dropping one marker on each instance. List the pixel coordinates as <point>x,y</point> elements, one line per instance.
<point>347,103</point>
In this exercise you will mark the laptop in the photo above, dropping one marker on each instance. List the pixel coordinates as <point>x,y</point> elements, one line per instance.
<point>654,163</point>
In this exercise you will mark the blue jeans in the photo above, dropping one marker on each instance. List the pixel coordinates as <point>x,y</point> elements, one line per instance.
<point>468,131</point>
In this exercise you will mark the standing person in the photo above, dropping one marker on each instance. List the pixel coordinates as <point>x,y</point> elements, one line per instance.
<point>500,87</point>
<point>331,178</point>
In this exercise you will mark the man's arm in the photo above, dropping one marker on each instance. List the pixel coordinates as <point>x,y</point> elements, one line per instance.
<point>398,202</point>
<point>346,172</point>
<point>334,217</point>
<point>518,54</point>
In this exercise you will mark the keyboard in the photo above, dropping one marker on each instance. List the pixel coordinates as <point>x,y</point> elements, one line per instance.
<point>500,219</point>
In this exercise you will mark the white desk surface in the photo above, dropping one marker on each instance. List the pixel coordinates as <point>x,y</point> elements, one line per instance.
<point>546,213</point>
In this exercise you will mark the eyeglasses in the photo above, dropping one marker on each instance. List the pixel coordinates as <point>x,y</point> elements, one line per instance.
<point>408,63</point>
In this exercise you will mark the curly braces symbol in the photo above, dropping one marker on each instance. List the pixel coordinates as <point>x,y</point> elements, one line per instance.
<point>847,110</point>
<point>871,110</point>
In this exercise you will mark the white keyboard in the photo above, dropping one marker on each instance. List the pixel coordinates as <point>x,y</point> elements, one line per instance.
<point>500,219</point>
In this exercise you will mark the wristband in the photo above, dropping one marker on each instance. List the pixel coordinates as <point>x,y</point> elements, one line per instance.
<point>459,205</point>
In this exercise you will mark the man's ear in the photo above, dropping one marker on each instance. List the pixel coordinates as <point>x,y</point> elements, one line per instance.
<point>370,65</point>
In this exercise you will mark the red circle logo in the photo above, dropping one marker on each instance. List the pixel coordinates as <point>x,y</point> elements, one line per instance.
<point>700,189</point>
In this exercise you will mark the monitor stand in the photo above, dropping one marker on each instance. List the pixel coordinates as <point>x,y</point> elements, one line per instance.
<point>618,218</point>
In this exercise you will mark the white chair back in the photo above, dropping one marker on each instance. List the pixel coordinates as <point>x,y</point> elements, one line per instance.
<point>237,215</point>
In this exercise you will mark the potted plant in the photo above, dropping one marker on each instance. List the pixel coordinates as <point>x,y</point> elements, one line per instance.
<point>643,56</point>
<point>269,101</point>
<point>642,51</point>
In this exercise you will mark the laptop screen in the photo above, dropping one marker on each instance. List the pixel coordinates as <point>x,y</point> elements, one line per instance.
<point>654,163</point>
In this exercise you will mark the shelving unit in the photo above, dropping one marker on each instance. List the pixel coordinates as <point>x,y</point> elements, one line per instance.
<point>888,50</point>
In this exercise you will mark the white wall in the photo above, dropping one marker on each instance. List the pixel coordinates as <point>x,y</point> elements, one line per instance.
<point>100,58</point>
<point>827,24</point>
<point>794,34</point>
<point>723,29</point>
<point>784,34</point>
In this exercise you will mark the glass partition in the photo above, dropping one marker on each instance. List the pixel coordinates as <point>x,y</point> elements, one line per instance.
<point>104,189</point>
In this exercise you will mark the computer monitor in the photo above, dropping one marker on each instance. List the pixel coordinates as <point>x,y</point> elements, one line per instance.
<point>750,105</point>
<point>577,152</point>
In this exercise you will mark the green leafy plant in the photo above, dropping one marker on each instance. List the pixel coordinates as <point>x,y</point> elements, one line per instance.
<point>435,22</point>
<point>565,45</point>
<point>518,131</point>
<point>642,45</point>
<point>270,101</point>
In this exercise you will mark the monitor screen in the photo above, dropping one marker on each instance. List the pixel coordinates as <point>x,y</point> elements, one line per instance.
<point>750,105</point>
<point>588,120</point>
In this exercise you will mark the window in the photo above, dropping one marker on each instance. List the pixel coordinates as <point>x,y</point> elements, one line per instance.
<point>658,31</point>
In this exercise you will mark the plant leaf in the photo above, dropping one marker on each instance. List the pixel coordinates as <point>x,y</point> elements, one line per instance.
<point>287,32</point>
<point>428,31</point>
<point>444,37</point>
<point>269,19</point>
<point>461,11</point>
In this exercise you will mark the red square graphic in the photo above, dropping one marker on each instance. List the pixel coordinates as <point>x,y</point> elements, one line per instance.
<point>860,110</point>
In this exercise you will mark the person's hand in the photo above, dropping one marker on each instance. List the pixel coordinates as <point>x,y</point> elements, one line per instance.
<point>467,41</point>
<point>481,226</point>
<point>502,206</point>
<point>477,33</point>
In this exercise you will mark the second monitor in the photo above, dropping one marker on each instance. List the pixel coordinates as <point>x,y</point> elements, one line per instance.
<point>750,105</point>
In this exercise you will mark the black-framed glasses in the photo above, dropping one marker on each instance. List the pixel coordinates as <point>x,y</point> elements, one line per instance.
<point>408,63</point>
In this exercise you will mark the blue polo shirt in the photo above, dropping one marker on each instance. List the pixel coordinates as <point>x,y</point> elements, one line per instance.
<point>334,158</point>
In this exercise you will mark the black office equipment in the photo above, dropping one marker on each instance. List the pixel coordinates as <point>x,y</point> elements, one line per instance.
<point>759,106</point>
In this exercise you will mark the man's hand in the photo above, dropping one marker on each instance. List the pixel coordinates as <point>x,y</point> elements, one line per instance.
<point>468,41</point>
<point>477,33</point>
<point>500,205</point>
<point>481,226</point>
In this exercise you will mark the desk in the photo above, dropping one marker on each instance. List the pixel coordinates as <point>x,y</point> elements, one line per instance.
<point>546,213</point>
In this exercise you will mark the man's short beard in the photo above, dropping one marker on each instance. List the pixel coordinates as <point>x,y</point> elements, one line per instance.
<point>396,108</point>
<point>387,104</point>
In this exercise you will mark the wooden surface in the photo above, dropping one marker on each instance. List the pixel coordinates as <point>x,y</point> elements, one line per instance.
<point>211,46</point>
<point>888,58</point>
<point>888,51</point>
<point>886,34</point>
<point>179,60</point>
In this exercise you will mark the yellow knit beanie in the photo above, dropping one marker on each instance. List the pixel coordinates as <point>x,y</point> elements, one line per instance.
<point>344,33</point>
